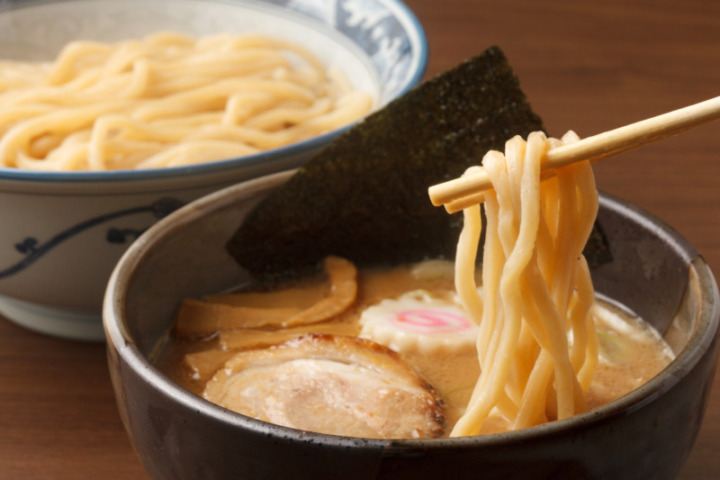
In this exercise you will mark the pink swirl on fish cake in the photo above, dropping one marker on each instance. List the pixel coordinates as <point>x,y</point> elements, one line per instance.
<point>430,321</point>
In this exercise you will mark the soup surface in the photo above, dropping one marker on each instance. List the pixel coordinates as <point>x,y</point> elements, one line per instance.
<point>411,355</point>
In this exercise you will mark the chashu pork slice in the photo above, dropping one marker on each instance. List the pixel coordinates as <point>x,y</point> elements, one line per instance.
<point>331,384</point>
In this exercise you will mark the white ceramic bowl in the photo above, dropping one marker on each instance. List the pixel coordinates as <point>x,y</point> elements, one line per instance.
<point>62,233</point>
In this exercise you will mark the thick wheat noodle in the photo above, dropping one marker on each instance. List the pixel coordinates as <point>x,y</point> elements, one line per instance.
<point>167,100</point>
<point>493,260</point>
<point>465,272</point>
<point>584,352</point>
<point>536,343</point>
<point>467,287</point>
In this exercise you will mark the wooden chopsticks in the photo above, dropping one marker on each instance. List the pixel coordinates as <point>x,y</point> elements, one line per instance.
<point>469,189</point>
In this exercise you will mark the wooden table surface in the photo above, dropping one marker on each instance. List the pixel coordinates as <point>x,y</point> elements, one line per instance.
<point>586,66</point>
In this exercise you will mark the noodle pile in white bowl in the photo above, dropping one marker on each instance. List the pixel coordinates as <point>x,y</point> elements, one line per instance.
<point>77,193</point>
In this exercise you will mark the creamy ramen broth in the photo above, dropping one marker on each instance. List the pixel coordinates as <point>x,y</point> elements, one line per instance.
<point>413,311</point>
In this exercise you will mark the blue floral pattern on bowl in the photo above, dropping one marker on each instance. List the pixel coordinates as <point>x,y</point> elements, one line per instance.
<point>380,27</point>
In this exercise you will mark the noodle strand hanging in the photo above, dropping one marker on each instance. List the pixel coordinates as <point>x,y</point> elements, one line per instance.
<point>537,344</point>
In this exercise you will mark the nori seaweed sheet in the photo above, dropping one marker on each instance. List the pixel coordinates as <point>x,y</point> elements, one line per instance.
<point>364,197</point>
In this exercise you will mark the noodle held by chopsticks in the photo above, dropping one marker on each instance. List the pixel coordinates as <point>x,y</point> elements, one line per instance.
<point>537,343</point>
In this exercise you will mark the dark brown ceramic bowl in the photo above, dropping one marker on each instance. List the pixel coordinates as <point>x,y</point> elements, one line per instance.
<point>646,434</point>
